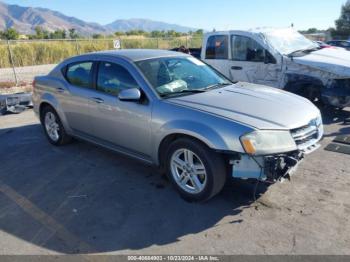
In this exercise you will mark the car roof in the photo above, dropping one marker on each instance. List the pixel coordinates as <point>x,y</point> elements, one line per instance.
<point>139,54</point>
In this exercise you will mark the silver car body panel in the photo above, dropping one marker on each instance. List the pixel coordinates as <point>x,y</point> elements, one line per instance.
<point>254,105</point>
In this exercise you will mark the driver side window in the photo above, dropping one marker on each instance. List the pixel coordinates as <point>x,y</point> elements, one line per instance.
<point>246,49</point>
<point>113,78</point>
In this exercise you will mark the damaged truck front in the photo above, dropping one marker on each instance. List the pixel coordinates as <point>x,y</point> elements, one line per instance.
<point>281,58</point>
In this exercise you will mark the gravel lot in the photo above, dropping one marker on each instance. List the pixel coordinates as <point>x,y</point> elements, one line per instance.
<point>84,199</point>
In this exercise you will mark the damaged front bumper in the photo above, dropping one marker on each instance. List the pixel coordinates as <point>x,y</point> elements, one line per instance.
<point>266,168</point>
<point>15,103</point>
<point>275,167</point>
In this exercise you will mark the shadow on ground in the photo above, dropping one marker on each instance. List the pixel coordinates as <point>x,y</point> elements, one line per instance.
<point>335,116</point>
<point>83,199</point>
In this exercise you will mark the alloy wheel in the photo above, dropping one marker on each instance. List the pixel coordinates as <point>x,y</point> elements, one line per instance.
<point>52,127</point>
<point>188,171</point>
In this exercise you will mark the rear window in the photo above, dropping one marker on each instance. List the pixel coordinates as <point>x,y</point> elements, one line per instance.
<point>217,47</point>
<point>80,74</point>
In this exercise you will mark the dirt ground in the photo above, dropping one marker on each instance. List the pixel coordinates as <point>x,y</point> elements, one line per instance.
<point>84,199</point>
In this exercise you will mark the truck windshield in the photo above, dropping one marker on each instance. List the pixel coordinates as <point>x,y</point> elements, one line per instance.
<point>175,76</point>
<point>288,41</point>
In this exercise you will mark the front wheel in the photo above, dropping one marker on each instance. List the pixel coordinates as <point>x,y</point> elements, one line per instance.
<point>196,171</point>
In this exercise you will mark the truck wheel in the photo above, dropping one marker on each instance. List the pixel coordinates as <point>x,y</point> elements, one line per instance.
<point>53,127</point>
<point>310,92</point>
<point>197,172</point>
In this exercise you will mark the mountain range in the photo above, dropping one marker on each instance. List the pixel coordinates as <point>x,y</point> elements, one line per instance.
<point>25,19</point>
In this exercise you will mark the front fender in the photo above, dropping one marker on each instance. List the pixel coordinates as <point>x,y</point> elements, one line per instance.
<point>220,138</point>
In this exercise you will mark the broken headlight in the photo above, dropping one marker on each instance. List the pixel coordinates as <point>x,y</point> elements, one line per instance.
<point>268,142</point>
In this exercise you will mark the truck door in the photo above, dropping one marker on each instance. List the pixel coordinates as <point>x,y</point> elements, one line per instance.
<point>251,62</point>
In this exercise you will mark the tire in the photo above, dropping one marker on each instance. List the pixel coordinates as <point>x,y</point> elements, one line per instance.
<point>309,92</point>
<point>199,179</point>
<point>53,127</point>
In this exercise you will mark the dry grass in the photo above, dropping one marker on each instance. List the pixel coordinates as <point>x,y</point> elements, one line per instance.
<point>51,52</point>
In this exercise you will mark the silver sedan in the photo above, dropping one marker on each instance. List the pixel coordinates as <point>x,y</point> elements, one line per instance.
<point>173,111</point>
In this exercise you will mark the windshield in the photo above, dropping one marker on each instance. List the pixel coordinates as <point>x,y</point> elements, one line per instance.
<point>287,41</point>
<point>180,75</point>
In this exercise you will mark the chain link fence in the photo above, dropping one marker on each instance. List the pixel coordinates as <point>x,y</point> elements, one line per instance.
<point>21,60</point>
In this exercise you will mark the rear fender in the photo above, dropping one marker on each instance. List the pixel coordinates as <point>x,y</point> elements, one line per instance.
<point>50,99</point>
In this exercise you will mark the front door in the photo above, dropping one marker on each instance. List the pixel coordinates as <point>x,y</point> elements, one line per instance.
<point>124,124</point>
<point>250,62</point>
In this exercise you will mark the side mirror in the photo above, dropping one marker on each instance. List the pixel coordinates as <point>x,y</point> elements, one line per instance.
<point>131,95</point>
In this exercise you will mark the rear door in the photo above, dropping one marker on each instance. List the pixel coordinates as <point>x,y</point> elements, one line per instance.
<point>75,102</point>
<point>217,53</point>
<point>123,124</point>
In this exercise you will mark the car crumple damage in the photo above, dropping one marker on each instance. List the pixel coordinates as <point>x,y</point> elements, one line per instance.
<point>276,166</point>
<point>324,71</point>
<point>277,144</point>
<point>333,77</point>
<point>285,59</point>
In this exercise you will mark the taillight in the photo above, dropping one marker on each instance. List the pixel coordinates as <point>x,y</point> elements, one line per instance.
<point>33,83</point>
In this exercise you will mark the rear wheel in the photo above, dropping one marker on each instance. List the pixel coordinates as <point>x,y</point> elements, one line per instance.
<point>197,172</point>
<point>53,127</point>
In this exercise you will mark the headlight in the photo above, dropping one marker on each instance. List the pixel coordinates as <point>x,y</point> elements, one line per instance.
<point>268,142</point>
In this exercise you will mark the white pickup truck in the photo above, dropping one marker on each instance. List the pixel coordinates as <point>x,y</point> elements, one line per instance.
<point>281,58</point>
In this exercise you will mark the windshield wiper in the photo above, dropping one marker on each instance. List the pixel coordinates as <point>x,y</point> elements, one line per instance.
<point>216,86</point>
<point>195,91</point>
<point>188,91</point>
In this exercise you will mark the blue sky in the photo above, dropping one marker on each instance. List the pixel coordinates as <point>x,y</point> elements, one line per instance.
<point>207,14</point>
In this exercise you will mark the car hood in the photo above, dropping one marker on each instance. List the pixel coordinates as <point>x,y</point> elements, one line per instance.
<point>332,60</point>
<point>257,106</point>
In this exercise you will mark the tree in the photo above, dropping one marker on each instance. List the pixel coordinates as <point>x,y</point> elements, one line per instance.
<point>40,33</point>
<point>73,34</point>
<point>10,34</point>
<point>156,33</point>
<point>119,33</point>
<point>58,34</point>
<point>312,31</point>
<point>343,23</point>
<point>199,32</point>
<point>97,36</point>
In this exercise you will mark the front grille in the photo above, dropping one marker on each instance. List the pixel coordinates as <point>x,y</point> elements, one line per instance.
<point>306,137</point>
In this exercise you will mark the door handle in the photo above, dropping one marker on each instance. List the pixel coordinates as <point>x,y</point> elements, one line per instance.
<point>97,100</point>
<point>236,68</point>
<point>60,90</point>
